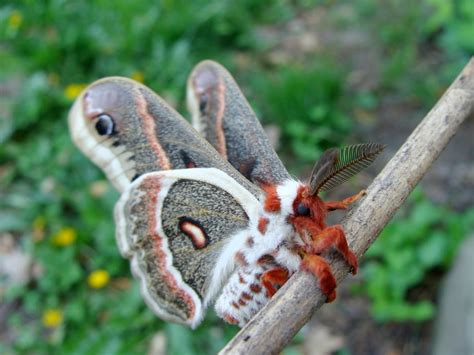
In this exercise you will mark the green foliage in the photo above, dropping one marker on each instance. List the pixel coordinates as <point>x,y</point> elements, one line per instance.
<point>407,30</point>
<point>454,19</point>
<point>424,239</point>
<point>306,103</point>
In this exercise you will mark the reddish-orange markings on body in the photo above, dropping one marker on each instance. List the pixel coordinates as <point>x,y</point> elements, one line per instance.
<point>273,279</point>
<point>272,200</point>
<point>229,319</point>
<point>262,224</point>
<point>250,242</point>
<point>246,296</point>
<point>240,258</point>
<point>255,288</point>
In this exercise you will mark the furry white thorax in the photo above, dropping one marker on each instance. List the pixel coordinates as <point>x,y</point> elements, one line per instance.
<point>278,229</point>
<point>279,234</point>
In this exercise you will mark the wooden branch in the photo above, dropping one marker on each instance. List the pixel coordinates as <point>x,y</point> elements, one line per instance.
<point>276,324</point>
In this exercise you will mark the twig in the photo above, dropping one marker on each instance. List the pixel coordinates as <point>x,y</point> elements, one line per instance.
<point>276,324</point>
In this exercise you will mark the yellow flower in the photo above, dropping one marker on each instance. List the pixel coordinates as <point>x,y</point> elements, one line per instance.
<point>138,76</point>
<point>98,278</point>
<point>64,237</point>
<point>73,90</point>
<point>15,19</point>
<point>52,318</point>
<point>38,228</point>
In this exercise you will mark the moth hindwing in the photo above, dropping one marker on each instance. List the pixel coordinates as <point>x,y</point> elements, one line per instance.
<point>176,226</point>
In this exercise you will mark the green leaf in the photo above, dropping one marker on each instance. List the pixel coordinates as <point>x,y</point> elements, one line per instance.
<point>432,251</point>
<point>179,339</point>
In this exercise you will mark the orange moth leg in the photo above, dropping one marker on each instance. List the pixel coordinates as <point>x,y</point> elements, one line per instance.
<point>322,271</point>
<point>273,279</point>
<point>334,236</point>
<point>342,205</point>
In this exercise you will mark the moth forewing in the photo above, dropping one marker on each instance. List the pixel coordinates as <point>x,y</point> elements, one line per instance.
<point>144,134</point>
<point>221,113</point>
<point>163,256</point>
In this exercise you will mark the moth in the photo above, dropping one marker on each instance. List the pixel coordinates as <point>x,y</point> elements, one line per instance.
<point>210,214</point>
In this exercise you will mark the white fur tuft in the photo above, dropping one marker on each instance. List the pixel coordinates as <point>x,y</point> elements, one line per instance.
<point>287,192</point>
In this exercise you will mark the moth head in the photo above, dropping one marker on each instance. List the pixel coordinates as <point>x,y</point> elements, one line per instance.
<point>307,207</point>
<point>333,168</point>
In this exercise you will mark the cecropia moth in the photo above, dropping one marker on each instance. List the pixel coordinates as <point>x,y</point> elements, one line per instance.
<point>210,214</point>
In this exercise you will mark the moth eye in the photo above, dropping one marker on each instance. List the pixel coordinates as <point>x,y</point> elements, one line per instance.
<point>302,210</point>
<point>203,99</point>
<point>104,125</point>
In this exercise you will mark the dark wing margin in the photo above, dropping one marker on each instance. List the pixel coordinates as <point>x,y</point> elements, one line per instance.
<point>338,165</point>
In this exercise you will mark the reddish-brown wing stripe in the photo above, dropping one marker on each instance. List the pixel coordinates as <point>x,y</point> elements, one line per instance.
<point>153,186</point>
<point>219,119</point>
<point>194,231</point>
<point>149,128</point>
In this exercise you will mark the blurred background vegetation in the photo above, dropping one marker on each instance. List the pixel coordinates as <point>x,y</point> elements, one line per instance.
<point>318,70</point>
